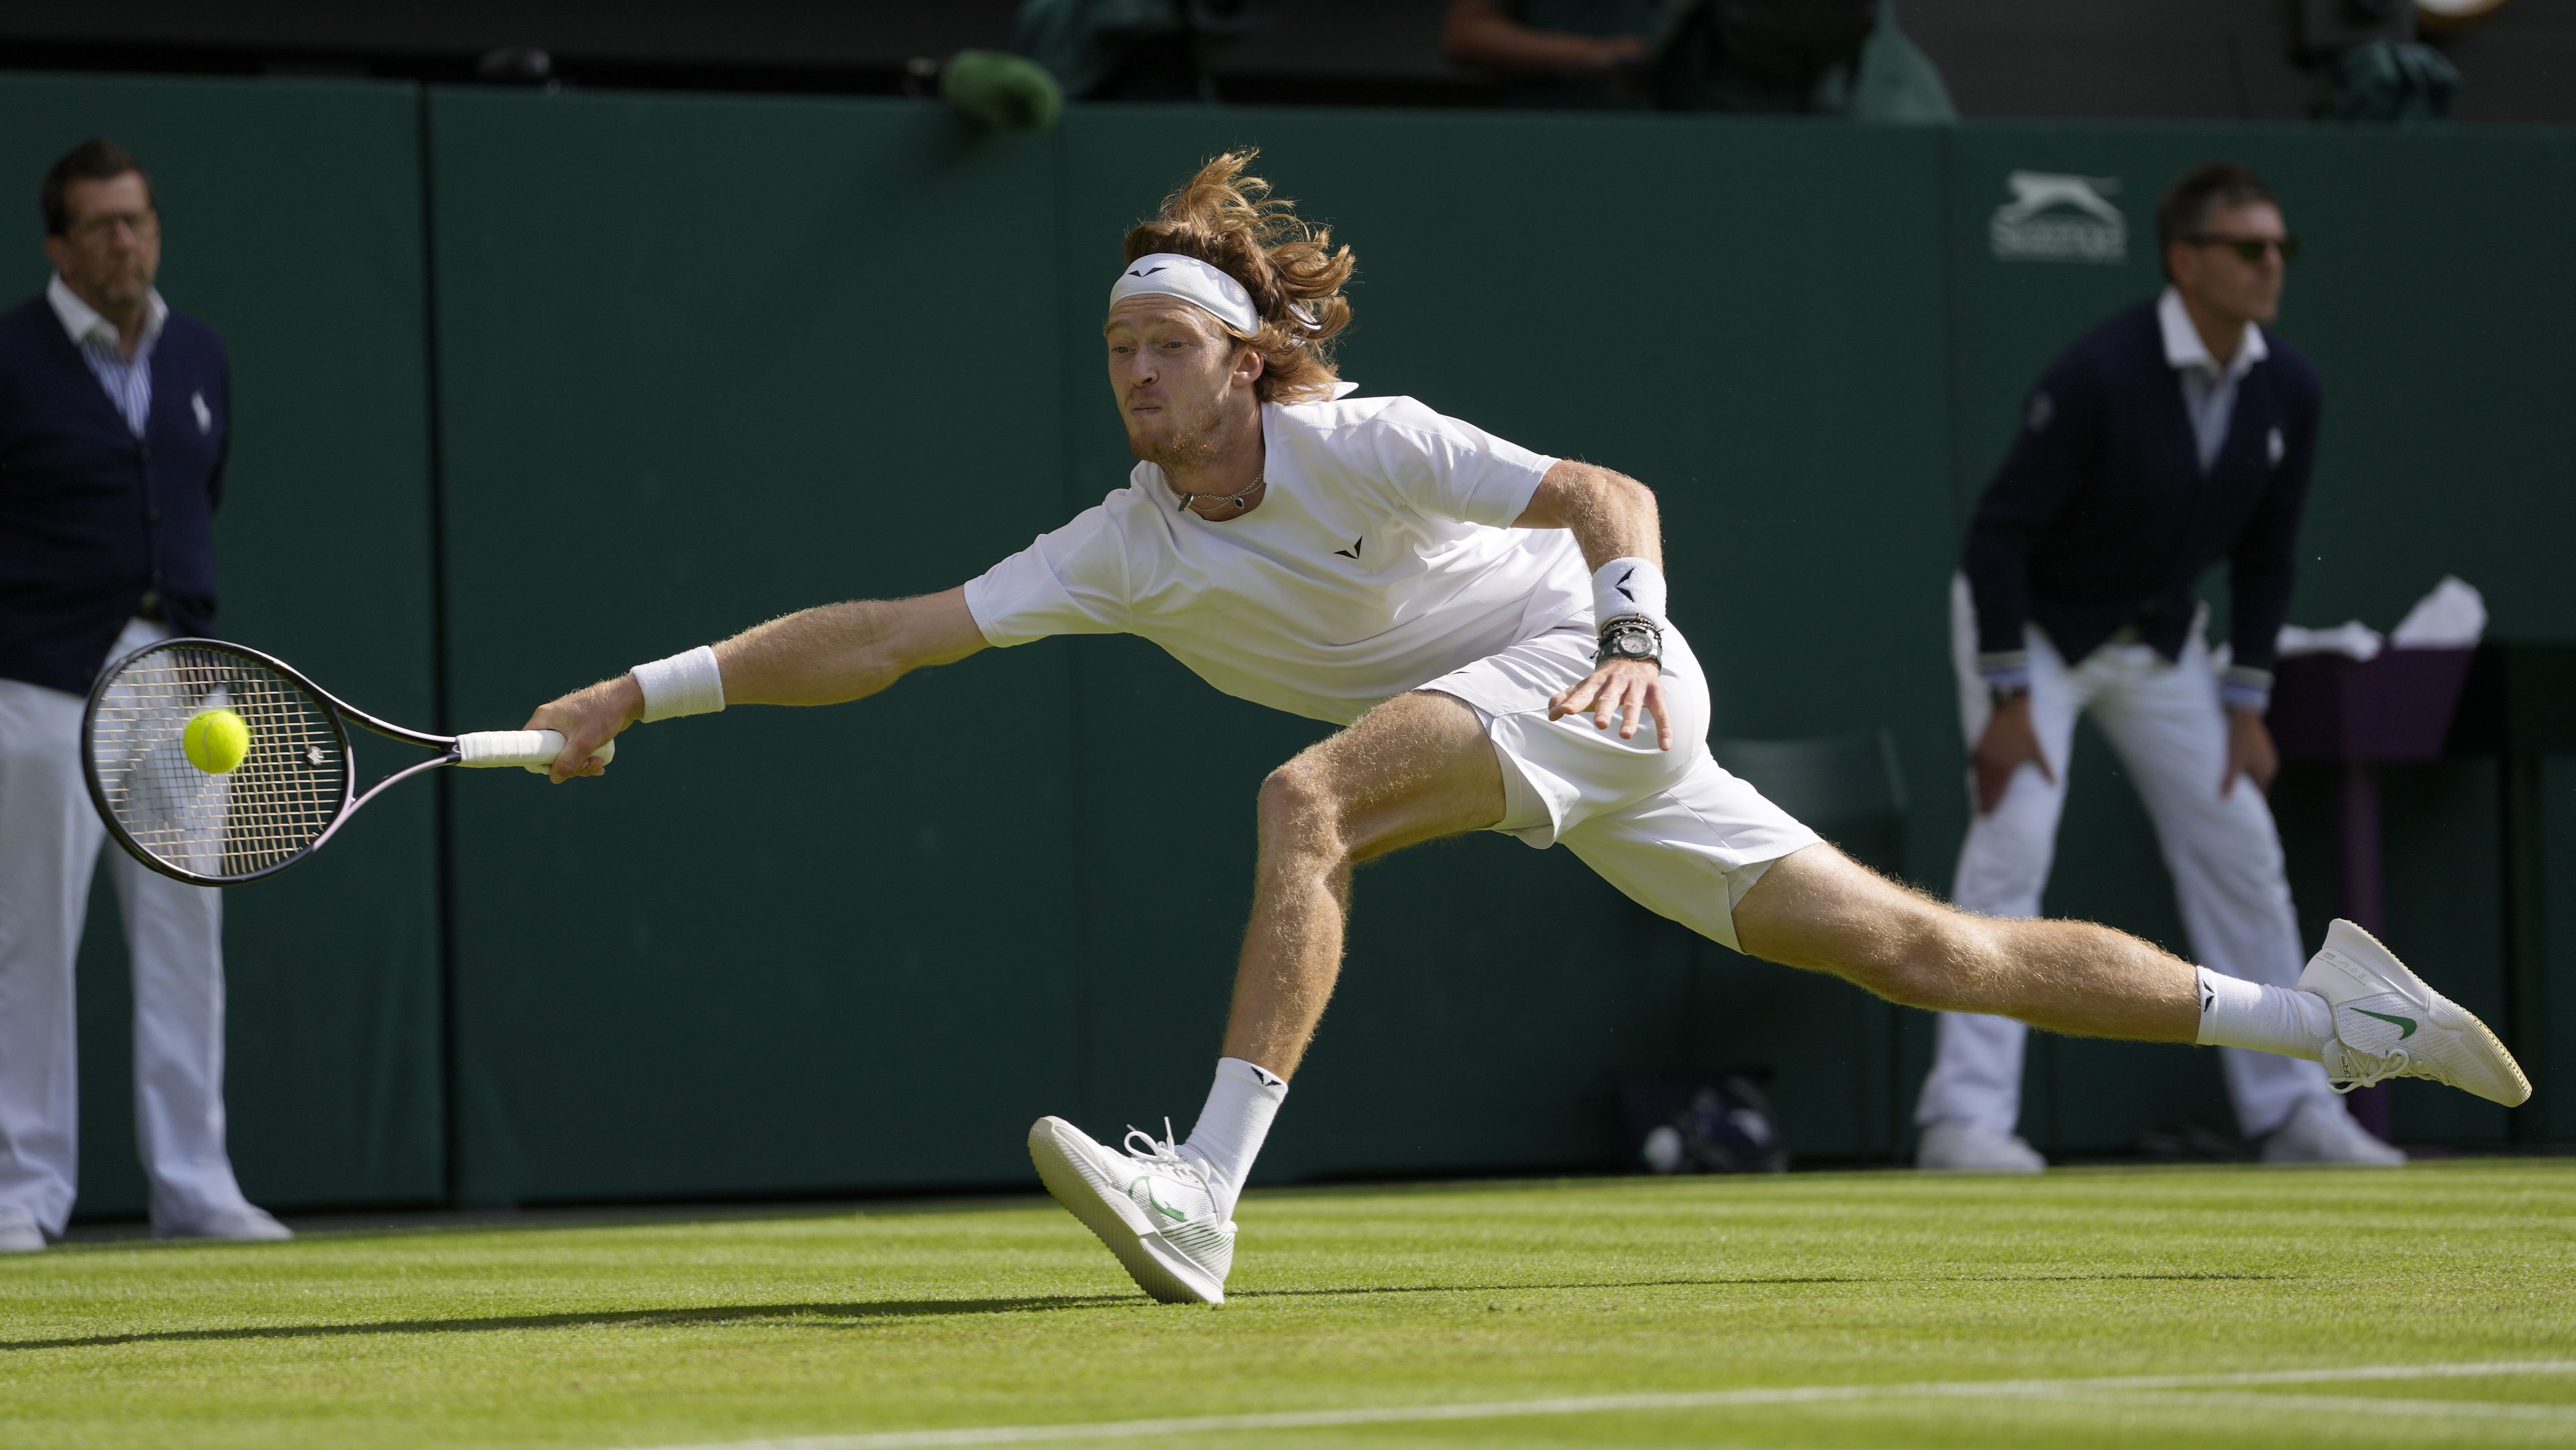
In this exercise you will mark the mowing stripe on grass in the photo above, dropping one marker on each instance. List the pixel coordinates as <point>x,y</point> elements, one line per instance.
<point>2120,1388</point>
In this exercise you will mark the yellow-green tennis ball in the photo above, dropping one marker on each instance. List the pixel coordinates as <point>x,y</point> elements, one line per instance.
<point>216,741</point>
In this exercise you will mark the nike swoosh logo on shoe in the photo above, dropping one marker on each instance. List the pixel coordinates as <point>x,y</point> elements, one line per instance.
<point>2406,1023</point>
<point>1161,1207</point>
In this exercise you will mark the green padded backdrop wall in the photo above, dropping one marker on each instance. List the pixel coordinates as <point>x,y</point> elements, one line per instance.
<point>292,215</point>
<point>2557,831</point>
<point>1829,362</point>
<point>703,362</point>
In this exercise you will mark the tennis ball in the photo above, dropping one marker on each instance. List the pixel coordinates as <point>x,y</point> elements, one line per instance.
<point>216,741</point>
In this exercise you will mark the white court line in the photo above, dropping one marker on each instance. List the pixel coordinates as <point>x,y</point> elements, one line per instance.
<point>2128,1388</point>
<point>2337,1404</point>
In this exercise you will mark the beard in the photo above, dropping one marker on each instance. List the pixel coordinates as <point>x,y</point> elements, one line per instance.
<point>1189,438</point>
<point>122,285</point>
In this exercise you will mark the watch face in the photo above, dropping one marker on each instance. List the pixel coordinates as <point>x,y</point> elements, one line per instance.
<point>1631,645</point>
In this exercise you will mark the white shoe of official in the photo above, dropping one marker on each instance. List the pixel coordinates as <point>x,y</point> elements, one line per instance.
<point>244,1225</point>
<point>1951,1146</point>
<point>19,1234</point>
<point>2387,1023</point>
<point>1150,1205</point>
<point>2318,1130</point>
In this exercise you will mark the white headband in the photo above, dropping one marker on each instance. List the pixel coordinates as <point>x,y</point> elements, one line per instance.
<point>1169,274</point>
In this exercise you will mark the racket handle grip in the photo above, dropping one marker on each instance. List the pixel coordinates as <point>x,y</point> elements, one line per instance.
<point>534,749</point>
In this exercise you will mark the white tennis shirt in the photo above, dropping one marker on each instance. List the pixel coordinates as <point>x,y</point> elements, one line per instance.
<point>1380,558</point>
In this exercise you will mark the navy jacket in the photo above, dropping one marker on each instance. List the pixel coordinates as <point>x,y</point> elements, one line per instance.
<point>90,515</point>
<point>2100,516</point>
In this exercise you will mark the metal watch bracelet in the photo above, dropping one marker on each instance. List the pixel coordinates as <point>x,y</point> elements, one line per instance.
<point>1630,637</point>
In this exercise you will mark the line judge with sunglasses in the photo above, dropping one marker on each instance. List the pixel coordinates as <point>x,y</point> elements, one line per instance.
<point>115,418</point>
<point>2176,435</point>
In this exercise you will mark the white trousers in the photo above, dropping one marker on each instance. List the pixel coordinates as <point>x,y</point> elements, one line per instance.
<point>50,840</point>
<point>2167,723</point>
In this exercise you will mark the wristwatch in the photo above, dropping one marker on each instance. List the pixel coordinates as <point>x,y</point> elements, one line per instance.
<point>1630,637</point>
<point>2002,695</point>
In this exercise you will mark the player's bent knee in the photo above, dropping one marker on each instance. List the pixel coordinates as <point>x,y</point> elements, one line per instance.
<point>1298,811</point>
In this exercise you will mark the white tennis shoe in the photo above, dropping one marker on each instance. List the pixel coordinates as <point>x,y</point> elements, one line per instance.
<point>2387,1023</point>
<point>1952,1146</point>
<point>1152,1206</point>
<point>245,1224</point>
<point>2318,1130</point>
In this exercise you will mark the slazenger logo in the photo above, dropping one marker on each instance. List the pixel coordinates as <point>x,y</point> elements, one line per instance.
<point>2054,217</point>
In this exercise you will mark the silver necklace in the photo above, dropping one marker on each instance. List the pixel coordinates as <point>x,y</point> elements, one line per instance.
<point>1236,499</point>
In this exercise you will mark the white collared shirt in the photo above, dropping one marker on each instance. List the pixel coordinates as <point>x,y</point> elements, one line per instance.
<point>2208,390</point>
<point>128,380</point>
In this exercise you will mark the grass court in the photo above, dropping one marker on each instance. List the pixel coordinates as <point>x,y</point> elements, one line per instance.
<point>2188,1307</point>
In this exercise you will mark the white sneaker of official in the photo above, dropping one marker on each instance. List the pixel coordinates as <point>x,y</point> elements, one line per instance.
<point>2387,1023</point>
<point>247,1224</point>
<point>1153,1207</point>
<point>1952,1146</point>
<point>18,1232</point>
<point>2320,1131</point>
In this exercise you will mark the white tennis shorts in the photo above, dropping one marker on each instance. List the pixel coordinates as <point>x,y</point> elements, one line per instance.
<point>1679,835</point>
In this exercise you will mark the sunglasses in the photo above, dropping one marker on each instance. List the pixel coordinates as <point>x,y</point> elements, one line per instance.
<point>145,225</point>
<point>2250,248</point>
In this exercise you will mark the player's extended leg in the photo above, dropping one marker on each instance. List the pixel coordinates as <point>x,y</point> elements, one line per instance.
<point>1821,910</point>
<point>2356,1007</point>
<point>1416,768</point>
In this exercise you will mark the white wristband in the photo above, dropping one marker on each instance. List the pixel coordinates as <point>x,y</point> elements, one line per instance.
<point>685,684</point>
<point>1627,586</point>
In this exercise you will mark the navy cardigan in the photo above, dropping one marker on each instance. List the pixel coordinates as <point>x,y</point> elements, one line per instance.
<point>2100,517</point>
<point>91,516</point>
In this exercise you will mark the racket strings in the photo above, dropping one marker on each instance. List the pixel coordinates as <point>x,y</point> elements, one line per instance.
<point>266,811</point>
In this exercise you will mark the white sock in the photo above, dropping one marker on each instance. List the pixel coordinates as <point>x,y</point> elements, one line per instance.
<point>1231,1127</point>
<point>2238,1013</point>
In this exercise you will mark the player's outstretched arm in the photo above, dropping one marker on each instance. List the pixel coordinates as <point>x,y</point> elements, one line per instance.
<point>820,656</point>
<point>1611,516</point>
<point>841,652</point>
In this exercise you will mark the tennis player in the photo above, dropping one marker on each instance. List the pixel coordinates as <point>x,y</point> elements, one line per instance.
<point>1488,625</point>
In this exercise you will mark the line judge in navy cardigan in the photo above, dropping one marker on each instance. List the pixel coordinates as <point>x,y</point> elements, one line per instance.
<point>2177,435</point>
<point>115,414</point>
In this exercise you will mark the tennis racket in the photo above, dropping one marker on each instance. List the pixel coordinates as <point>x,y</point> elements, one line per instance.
<point>294,786</point>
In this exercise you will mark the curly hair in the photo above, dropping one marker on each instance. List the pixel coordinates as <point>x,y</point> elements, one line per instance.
<point>1293,271</point>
